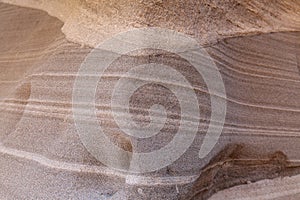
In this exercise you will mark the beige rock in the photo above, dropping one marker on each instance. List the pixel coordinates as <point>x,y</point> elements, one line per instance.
<point>90,22</point>
<point>255,45</point>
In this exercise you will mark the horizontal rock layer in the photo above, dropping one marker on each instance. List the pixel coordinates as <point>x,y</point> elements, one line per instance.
<point>41,152</point>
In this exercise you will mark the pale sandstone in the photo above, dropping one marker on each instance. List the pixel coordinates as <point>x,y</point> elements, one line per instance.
<point>41,154</point>
<point>89,22</point>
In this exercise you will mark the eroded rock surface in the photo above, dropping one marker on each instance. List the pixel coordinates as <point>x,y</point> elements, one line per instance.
<point>41,153</point>
<point>90,22</point>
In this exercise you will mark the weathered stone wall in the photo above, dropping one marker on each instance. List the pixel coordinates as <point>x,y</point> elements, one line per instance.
<point>255,45</point>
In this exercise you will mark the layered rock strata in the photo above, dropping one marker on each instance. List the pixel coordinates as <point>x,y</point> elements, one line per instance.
<point>255,47</point>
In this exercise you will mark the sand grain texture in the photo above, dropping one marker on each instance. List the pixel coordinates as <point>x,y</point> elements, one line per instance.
<point>255,47</point>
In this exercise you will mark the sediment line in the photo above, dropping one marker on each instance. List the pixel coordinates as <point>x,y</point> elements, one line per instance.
<point>131,179</point>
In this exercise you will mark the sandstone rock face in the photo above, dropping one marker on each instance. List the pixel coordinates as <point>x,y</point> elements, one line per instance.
<point>90,22</point>
<point>254,45</point>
